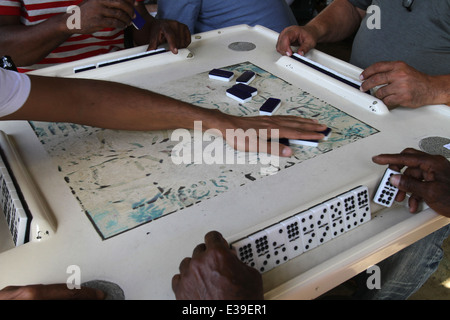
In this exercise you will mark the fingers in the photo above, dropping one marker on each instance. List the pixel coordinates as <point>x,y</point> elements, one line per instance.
<point>177,35</point>
<point>410,184</point>
<point>408,157</point>
<point>397,83</point>
<point>284,43</point>
<point>295,36</point>
<point>213,240</point>
<point>259,134</point>
<point>100,14</point>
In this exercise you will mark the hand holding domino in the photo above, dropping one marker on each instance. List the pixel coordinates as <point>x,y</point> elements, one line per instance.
<point>426,177</point>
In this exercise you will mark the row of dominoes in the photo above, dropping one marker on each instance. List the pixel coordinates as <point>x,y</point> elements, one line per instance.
<point>12,207</point>
<point>281,242</point>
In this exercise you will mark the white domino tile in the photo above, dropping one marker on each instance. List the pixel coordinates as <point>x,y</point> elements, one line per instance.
<point>323,223</point>
<point>386,192</point>
<point>277,244</point>
<point>363,204</point>
<point>294,242</point>
<point>245,250</point>
<point>308,230</point>
<point>336,215</point>
<point>349,210</point>
<point>262,254</point>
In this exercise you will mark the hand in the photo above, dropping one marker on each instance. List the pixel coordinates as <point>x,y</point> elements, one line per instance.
<point>427,177</point>
<point>251,134</point>
<point>49,292</point>
<point>100,14</point>
<point>176,34</point>
<point>305,37</point>
<point>215,273</point>
<point>402,85</point>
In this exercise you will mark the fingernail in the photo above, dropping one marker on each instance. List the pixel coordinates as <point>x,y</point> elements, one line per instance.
<point>395,180</point>
<point>288,53</point>
<point>361,77</point>
<point>286,152</point>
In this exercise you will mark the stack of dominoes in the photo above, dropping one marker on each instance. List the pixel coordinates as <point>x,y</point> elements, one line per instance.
<point>11,205</point>
<point>304,231</point>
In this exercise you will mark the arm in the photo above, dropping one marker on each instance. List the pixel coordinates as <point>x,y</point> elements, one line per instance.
<point>30,44</point>
<point>117,106</point>
<point>336,22</point>
<point>216,273</point>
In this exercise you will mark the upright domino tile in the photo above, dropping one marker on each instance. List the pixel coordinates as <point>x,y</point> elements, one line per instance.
<point>245,250</point>
<point>308,230</point>
<point>294,242</point>
<point>386,192</point>
<point>263,261</point>
<point>277,244</point>
<point>349,210</point>
<point>323,223</point>
<point>336,216</point>
<point>362,204</point>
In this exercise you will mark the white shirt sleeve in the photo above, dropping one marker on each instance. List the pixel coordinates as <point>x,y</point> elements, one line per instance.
<point>14,91</point>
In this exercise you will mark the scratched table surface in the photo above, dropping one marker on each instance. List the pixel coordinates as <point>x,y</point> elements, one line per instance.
<point>124,179</point>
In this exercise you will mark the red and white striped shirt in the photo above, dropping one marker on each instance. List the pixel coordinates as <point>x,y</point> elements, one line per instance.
<point>78,46</point>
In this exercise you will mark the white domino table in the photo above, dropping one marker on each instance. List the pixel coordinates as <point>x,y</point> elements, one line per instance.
<point>144,259</point>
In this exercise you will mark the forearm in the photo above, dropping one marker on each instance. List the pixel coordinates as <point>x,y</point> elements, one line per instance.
<point>28,45</point>
<point>336,22</point>
<point>109,105</point>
